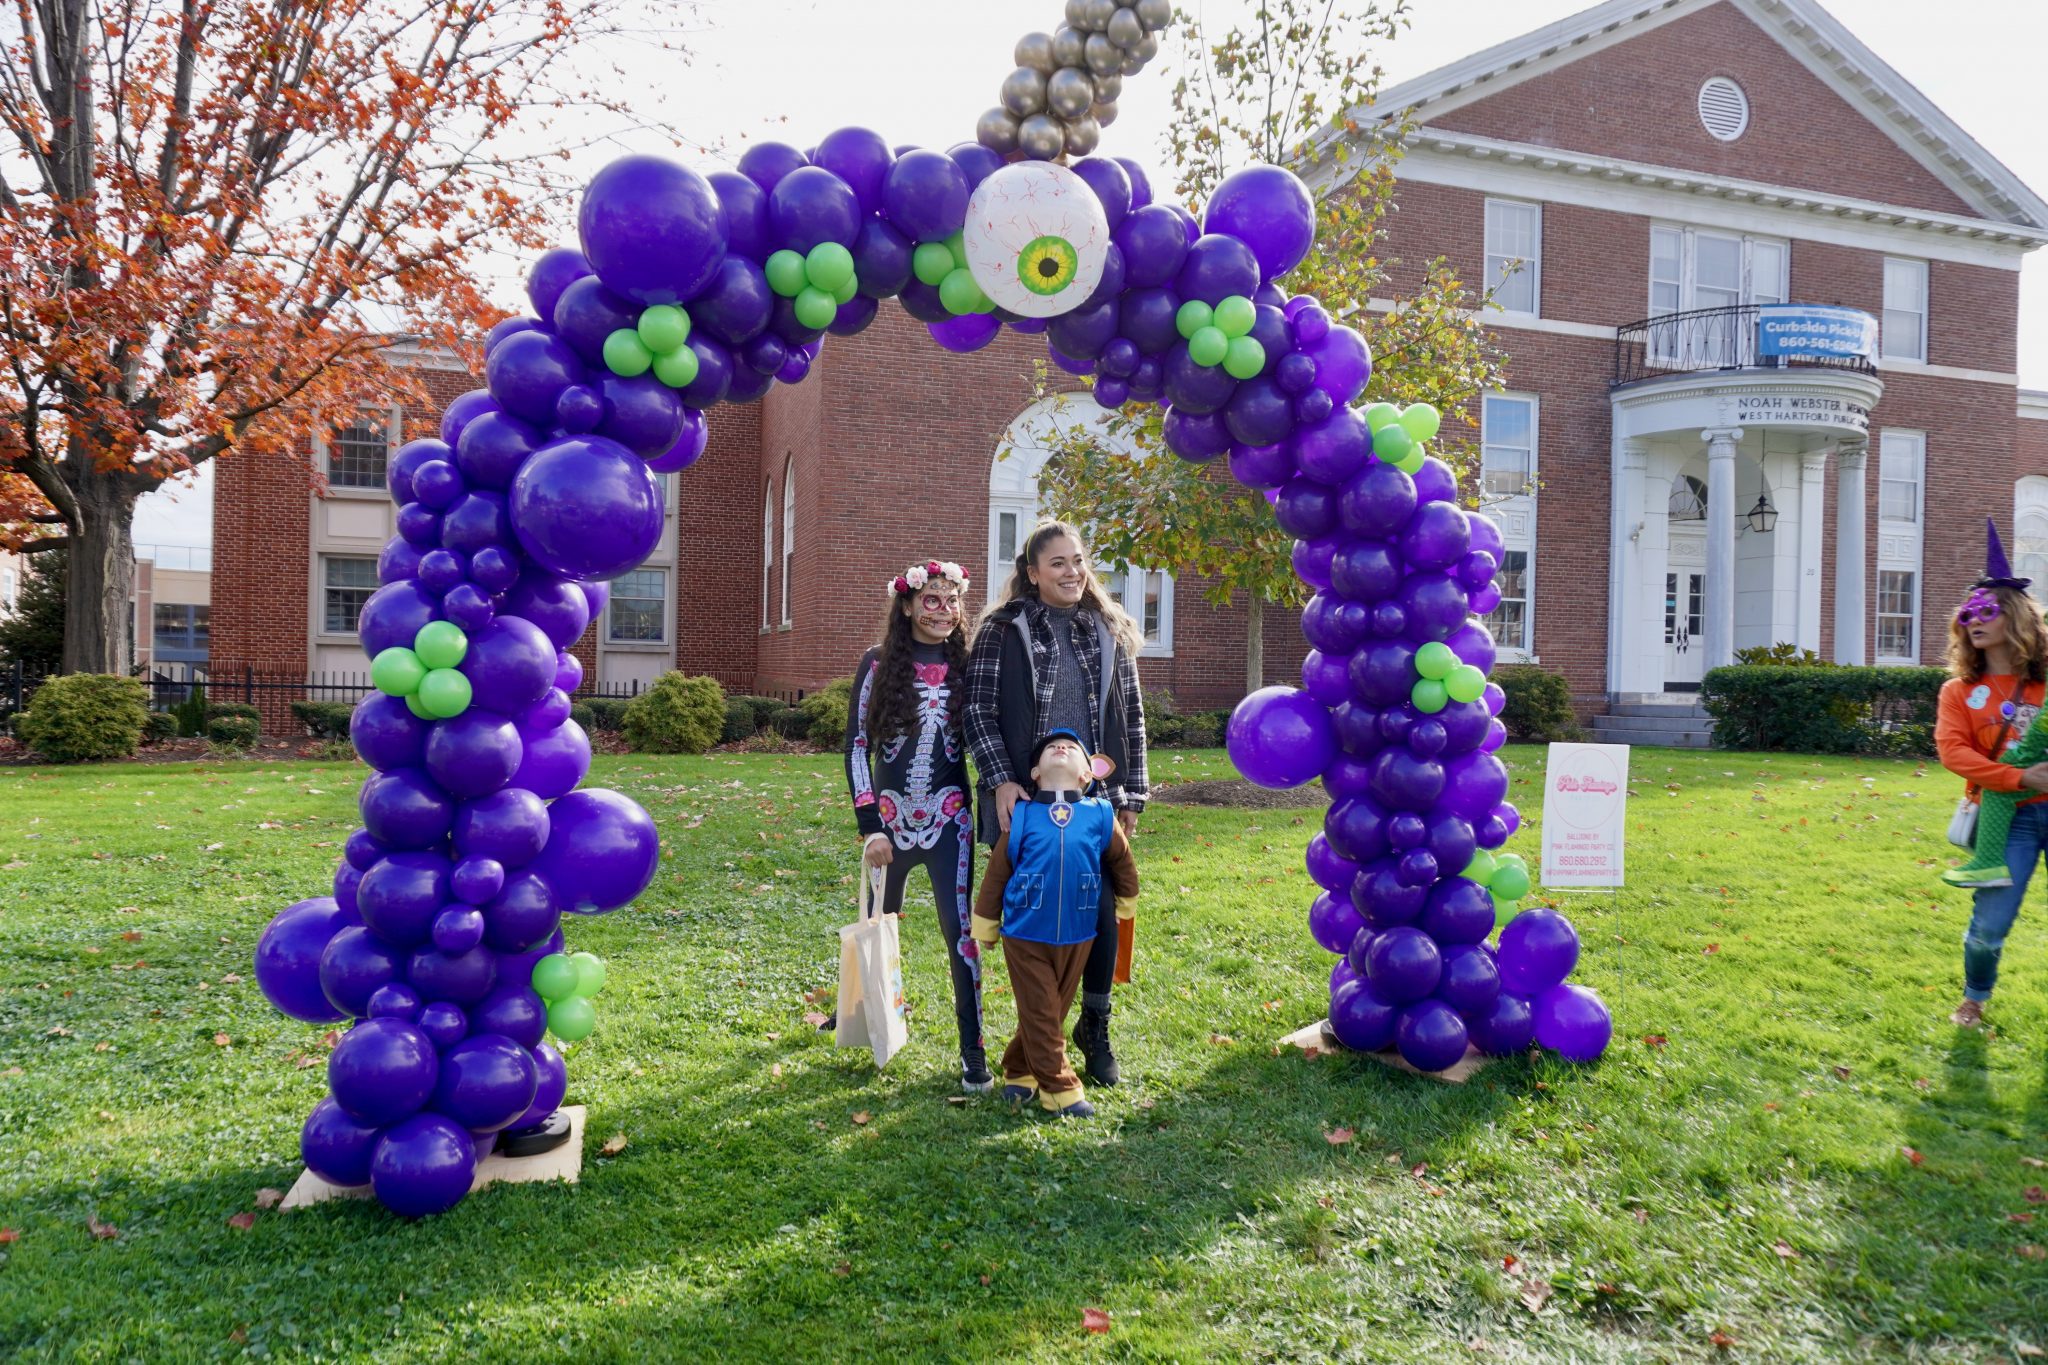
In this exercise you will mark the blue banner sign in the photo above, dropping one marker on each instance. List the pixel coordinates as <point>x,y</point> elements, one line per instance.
<point>1805,331</point>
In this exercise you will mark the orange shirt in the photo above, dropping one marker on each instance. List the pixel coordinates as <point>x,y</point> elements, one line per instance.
<point>1967,722</point>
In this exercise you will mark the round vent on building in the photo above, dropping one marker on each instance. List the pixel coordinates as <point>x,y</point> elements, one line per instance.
<point>1724,109</point>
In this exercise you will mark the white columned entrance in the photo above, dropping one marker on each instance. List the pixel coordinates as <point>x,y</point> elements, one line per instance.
<point>1720,622</point>
<point>1628,575</point>
<point>1849,556</point>
<point>1813,468</point>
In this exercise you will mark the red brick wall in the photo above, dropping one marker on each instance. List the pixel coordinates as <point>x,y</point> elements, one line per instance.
<point>2030,447</point>
<point>1635,101</point>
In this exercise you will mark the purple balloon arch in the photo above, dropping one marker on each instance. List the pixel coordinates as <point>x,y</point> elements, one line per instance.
<point>442,939</point>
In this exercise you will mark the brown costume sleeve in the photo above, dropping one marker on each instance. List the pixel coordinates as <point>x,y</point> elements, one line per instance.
<point>1119,866</point>
<point>988,899</point>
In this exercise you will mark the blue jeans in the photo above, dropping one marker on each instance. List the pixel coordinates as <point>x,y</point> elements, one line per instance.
<point>1991,918</point>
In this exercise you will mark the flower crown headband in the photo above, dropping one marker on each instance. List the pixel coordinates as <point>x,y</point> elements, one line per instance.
<point>917,575</point>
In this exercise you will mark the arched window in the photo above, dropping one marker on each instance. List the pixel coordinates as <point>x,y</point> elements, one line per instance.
<point>1688,499</point>
<point>767,543</point>
<point>2030,528</point>
<point>788,531</point>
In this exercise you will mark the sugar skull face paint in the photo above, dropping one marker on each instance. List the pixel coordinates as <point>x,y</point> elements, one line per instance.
<point>1979,606</point>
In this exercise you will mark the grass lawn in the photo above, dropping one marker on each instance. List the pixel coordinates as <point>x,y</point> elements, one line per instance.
<point>1788,1153</point>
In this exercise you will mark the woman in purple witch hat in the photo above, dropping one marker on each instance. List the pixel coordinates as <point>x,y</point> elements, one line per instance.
<point>1990,731</point>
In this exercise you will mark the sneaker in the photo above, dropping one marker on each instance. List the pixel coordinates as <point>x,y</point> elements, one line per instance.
<point>1079,1109</point>
<point>1977,877</point>
<point>1091,1038</point>
<point>974,1075</point>
<point>1969,1014</point>
<point>1017,1096</point>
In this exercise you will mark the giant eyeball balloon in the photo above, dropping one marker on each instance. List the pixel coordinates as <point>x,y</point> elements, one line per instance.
<point>1036,238</point>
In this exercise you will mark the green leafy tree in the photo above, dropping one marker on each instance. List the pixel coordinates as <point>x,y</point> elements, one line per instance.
<point>33,634</point>
<point>1290,87</point>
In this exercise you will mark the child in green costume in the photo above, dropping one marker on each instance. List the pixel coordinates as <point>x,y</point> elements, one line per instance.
<point>1986,865</point>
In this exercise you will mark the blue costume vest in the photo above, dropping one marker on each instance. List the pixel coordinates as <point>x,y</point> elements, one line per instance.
<point>1054,893</point>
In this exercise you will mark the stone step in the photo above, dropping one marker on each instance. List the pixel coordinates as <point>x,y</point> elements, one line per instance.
<point>1658,724</point>
<point>1694,711</point>
<point>1653,739</point>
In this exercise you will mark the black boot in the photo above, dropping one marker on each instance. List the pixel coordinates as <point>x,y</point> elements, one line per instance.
<point>1091,1036</point>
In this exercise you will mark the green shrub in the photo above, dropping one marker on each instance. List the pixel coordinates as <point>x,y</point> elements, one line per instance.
<point>739,721</point>
<point>334,751</point>
<point>678,715</point>
<point>1162,720</point>
<point>792,722</point>
<point>1780,655</point>
<point>1834,710</point>
<point>608,713</point>
<point>826,709</point>
<point>233,732</point>
<point>763,708</point>
<point>159,726</point>
<point>191,713</point>
<point>323,719</point>
<point>85,716</point>
<point>1200,730</point>
<point>1539,704</point>
<point>215,710</point>
<point>580,712</point>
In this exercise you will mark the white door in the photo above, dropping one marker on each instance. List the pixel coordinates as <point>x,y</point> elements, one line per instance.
<point>1685,614</point>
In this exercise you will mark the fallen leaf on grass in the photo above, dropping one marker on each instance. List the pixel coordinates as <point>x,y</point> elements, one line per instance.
<point>1655,1039</point>
<point>11,1071</point>
<point>1535,1293</point>
<point>2033,1194</point>
<point>105,1232</point>
<point>1710,950</point>
<point>222,1040</point>
<point>2032,1252</point>
<point>1922,1083</point>
<point>1641,1215</point>
<point>131,936</point>
<point>269,1198</point>
<point>331,1038</point>
<point>1722,1339</point>
<point>2025,1351</point>
<point>8,1235</point>
<point>843,1269</point>
<point>230,979</point>
<point>305,1062</point>
<point>1509,1262</point>
<point>1912,1156</point>
<point>1784,1250</point>
<point>2034,1161</point>
<point>1337,1137</point>
<point>861,1117</point>
<point>2019,1218</point>
<point>775,1072</point>
<point>1095,1320</point>
<point>244,1220</point>
<point>613,1145</point>
<point>102,1047</point>
<point>1842,1073</point>
<point>1222,1040</point>
<point>814,1019</point>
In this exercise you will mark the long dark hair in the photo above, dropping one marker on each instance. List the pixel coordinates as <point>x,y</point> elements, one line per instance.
<point>892,705</point>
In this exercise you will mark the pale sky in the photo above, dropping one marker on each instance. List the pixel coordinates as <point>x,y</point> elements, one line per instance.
<point>921,70</point>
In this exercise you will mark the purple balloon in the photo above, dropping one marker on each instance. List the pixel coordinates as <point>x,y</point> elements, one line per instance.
<point>1538,950</point>
<point>976,162</point>
<point>1215,268</point>
<point>1333,450</point>
<point>924,195</point>
<point>1306,509</point>
<point>965,333</point>
<point>1195,438</point>
<point>423,1166</point>
<point>689,446</point>
<point>557,607</point>
<point>455,419</point>
<point>714,374</point>
<point>1450,839</point>
<point>437,484</point>
<point>444,1022</point>
<point>510,826</point>
<point>584,507</point>
<point>399,897</point>
<point>1071,364</point>
<point>1435,482</point>
<point>1430,1035</point>
<point>1506,813</point>
<point>1369,571</point>
<point>553,273</point>
<point>1311,561</point>
<point>1154,243</point>
<point>1361,949</point>
<point>1378,502</point>
<point>1268,209</point>
<point>474,753</point>
<point>468,606</point>
<point>1313,407</point>
<point>1327,867</point>
<point>337,1147</point>
<point>922,302</point>
<point>355,964</point>
<point>1437,536</point>
<point>477,881</point>
<point>386,733</point>
<point>288,957</point>
<point>881,260</point>
<point>405,809</point>
<point>463,978</point>
<point>362,851</point>
<point>736,305</point>
<point>346,879</point>
<point>382,1070</point>
<point>1470,982</point>
<point>1473,785</point>
<point>554,761</point>
<point>588,312</point>
<point>506,327</point>
<point>1332,624</point>
<point>1197,388</point>
<point>766,163</point>
<point>492,447</point>
<point>1435,605</point>
<point>510,665</point>
<point>860,158</point>
<point>1280,737</point>
<point>1343,974</point>
<point>407,460</point>
<point>1475,570</point>
<point>1459,911</point>
<point>1356,830</point>
<point>553,1085</point>
<point>419,525</point>
<point>746,214</point>
<point>1343,362</point>
<point>854,317</point>
<point>1485,534</point>
<point>642,414</point>
<point>809,206</point>
<point>1141,187</point>
<point>1360,1019</point>
<point>602,851</point>
<point>1346,776</point>
<point>529,370</point>
<point>1262,466</point>
<point>393,616</point>
<point>1382,674</point>
<point>1505,1029</point>
<point>1384,899</point>
<point>1401,781</point>
<point>765,354</point>
<point>397,561</point>
<point>1357,726</point>
<point>516,1012</point>
<point>1573,1022</point>
<point>486,1081</point>
<point>1333,921</point>
<point>1325,677</point>
<point>797,364</point>
<point>1111,183</point>
<point>1145,316</point>
<point>1260,414</point>
<point>652,230</point>
<point>477,523</point>
<point>1084,332</point>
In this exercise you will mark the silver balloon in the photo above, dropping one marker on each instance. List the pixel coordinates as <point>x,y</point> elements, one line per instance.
<point>1109,87</point>
<point>1154,14</point>
<point>1124,29</point>
<point>1069,92</point>
<point>1069,48</point>
<point>1023,92</point>
<point>1041,137</point>
<point>1084,135</point>
<point>1103,55</point>
<point>1148,47</point>
<point>1076,13</point>
<point>1132,64</point>
<point>1035,51</point>
<point>1096,14</point>
<point>996,130</point>
<point>1104,112</point>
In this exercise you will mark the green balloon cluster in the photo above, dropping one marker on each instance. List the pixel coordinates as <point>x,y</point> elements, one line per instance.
<point>1443,679</point>
<point>816,284</point>
<point>425,675</point>
<point>1505,877</point>
<point>1398,433</point>
<point>943,266</point>
<point>658,342</point>
<point>567,982</point>
<point>1222,335</point>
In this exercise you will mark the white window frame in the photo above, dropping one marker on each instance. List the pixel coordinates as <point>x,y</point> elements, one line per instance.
<point>394,431</point>
<point>326,631</point>
<point>1517,512</point>
<point>1126,585</point>
<point>1912,657</point>
<point>1738,346</point>
<point>767,544</point>
<point>664,615</point>
<point>1890,345</point>
<point>1901,541</point>
<point>1501,266</point>
<point>788,532</point>
<point>2030,527</point>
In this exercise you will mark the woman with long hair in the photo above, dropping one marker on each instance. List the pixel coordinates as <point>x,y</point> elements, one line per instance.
<point>1998,664</point>
<point>1053,651</point>
<point>906,767</point>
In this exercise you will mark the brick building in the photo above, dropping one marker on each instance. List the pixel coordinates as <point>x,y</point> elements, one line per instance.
<point>1654,188</point>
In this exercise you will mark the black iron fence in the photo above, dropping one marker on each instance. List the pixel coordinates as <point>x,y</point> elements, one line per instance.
<point>1708,339</point>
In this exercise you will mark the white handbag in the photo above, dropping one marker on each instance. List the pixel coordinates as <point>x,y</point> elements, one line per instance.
<point>871,977</point>
<point>1962,826</point>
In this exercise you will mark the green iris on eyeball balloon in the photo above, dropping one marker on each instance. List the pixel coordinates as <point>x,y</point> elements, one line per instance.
<point>677,369</point>
<point>1379,416</point>
<point>440,644</point>
<point>1435,660</point>
<point>785,271</point>
<point>931,263</point>
<point>1465,683</point>
<point>589,973</point>
<point>1421,420</point>
<point>555,977</point>
<point>571,1019</point>
<point>1193,316</point>
<point>1429,696</point>
<point>445,693</point>
<point>1243,358</point>
<point>1208,346</point>
<point>664,328</point>
<point>829,266</point>
<point>1236,315</point>
<point>397,671</point>
<point>1392,443</point>
<point>626,355</point>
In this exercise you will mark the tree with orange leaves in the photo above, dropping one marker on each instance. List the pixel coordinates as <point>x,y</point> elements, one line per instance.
<point>214,214</point>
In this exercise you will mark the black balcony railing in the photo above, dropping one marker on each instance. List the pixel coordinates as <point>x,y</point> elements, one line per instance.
<point>1708,339</point>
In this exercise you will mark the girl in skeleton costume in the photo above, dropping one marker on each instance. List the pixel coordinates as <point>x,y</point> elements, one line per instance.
<point>906,767</point>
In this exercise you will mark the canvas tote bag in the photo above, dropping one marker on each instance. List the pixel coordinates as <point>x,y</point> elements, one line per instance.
<point>871,976</point>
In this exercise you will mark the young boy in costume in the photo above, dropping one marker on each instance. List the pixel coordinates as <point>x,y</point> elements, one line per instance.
<point>1041,896</point>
